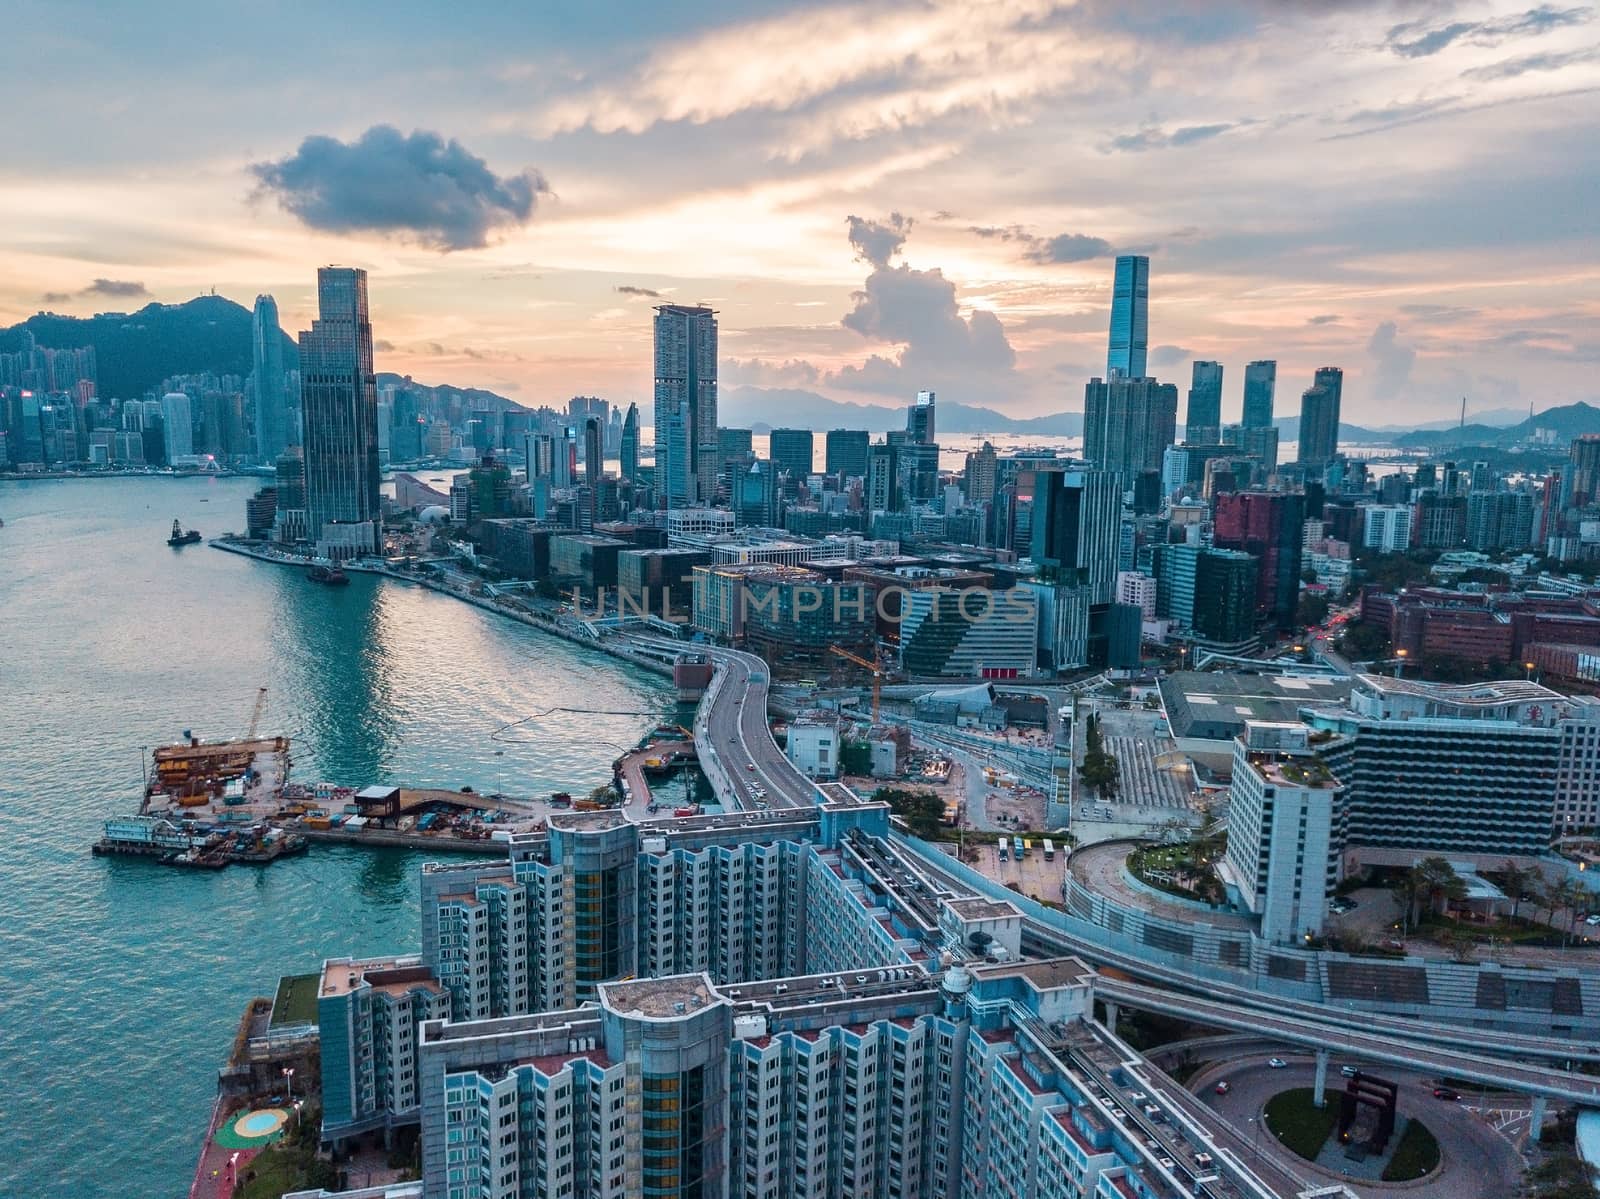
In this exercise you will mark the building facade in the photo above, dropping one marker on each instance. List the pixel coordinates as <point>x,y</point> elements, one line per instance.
<point>686,398</point>
<point>339,400</point>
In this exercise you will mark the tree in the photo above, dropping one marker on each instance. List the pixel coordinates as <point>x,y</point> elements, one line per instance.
<point>1312,610</point>
<point>923,811</point>
<point>1517,879</point>
<point>1440,882</point>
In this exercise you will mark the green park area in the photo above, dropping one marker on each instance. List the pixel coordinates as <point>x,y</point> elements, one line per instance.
<point>1304,1129</point>
<point>296,1000</point>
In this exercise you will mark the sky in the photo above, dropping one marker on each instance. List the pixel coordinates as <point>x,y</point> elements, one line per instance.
<point>877,197</point>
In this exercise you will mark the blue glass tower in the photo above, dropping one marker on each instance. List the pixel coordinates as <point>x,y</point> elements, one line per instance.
<point>1130,317</point>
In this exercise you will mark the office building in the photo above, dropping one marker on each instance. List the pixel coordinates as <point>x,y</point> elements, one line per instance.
<point>1260,382</point>
<point>1225,593</point>
<point>974,633</point>
<point>920,419</point>
<point>339,400</point>
<point>1204,417</point>
<point>177,426</point>
<point>1128,423</point>
<point>1283,842</point>
<point>791,454</point>
<point>686,394</point>
<point>274,423</point>
<point>753,493</point>
<point>1270,526</point>
<point>593,451</point>
<point>1257,443</point>
<point>1077,518</point>
<point>846,452</point>
<point>1319,417</point>
<point>1130,317</point>
<point>630,444</point>
<point>918,464</point>
<point>883,484</point>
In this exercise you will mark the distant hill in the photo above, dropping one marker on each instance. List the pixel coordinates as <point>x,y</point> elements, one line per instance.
<point>1567,422</point>
<point>762,408</point>
<point>476,397</point>
<point>135,351</point>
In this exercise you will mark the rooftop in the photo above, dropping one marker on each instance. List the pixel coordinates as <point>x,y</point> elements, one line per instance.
<point>660,998</point>
<point>390,975</point>
<point>1491,694</point>
<point>977,908</point>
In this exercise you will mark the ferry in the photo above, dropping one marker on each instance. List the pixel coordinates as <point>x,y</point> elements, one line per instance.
<point>331,575</point>
<point>181,538</point>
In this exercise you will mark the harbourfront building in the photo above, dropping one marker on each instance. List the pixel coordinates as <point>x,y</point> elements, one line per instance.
<point>973,633</point>
<point>339,402</point>
<point>686,404</point>
<point>274,422</point>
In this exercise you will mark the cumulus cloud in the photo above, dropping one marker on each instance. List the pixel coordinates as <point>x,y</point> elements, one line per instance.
<point>417,186</point>
<point>627,289</point>
<point>878,241</point>
<point>917,311</point>
<point>793,372</point>
<point>1064,247</point>
<point>1419,39</point>
<point>1392,361</point>
<point>116,289</point>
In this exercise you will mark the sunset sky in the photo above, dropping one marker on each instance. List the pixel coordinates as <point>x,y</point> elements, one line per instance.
<point>1410,191</point>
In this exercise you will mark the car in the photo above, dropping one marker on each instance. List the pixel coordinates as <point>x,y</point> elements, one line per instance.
<point>1276,1063</point>
<point>1349,1071</point>
<point>749,765</point>
<point>1445,1093</point>
<point>1222,1088</point>
<point>1592,920</point>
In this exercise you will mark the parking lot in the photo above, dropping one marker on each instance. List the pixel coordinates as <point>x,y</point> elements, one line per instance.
<point>1037,878</point>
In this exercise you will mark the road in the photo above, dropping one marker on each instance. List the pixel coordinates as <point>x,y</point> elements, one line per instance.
<point>1478,1161</point>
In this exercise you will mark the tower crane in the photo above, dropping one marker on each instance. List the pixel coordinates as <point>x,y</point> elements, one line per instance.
<point>256,714</point>
<point>877,674</point>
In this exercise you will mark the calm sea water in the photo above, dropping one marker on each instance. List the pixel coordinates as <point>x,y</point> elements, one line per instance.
<point>121,982</point>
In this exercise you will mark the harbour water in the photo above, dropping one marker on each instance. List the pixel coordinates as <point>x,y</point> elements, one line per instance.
<point>121,982</point>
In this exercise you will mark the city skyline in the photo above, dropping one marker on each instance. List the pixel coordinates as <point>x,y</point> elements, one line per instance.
<point>977,262</point>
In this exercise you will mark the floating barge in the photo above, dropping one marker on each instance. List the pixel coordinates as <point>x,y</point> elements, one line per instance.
<point>180,843</point>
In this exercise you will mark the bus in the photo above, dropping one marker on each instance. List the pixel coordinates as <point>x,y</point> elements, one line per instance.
<point>1016,848</point>
<point>1049,850</point>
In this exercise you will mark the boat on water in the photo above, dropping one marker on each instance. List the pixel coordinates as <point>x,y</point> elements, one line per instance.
<point>331,575</point>
<point>180,537</point>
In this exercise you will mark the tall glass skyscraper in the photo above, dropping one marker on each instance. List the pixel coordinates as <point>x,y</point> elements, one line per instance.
<point>630,444</point>
<point>1130,317</point>
<point>1319,417</point>
<point>273,433</point>
<point>339,396</point>
<point>1260,381</point>
<point>686,389</point>
<point>1204,426</point>
<point>920,420</point>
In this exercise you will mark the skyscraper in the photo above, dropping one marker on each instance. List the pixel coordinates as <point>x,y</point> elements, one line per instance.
<point>1128,423</point>
<point>630,444</point>
<point>594,453</point>
<point>177,423</point>
<point>847,452</point>
<point>1319,417</point>
<point>1077,516</point>
<point>1130,317</point>
<point>686,388</point>
<point>919,420</point>
<point>339,396</point>
<point>981,475</point>
<point>791,451</point>
<point>882,492</point>
<point>1270,527</point>
<point>1260,381</point>
<point>272,399</point>
<point>1204,425</point>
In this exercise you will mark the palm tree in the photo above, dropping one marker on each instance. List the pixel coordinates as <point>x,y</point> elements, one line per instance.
<point>1438,881</point>
<point>1566,896</point>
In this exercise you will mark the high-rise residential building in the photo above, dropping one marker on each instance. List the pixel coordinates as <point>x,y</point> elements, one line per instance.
<point>686,391</point>
<point>846,452</point>
<point>1499,520</point>
<point>1255,441</point>
<point>1581,480</point>
<point>791,453</point>
<point>733,445</point>
<point>1270,526</point>
<point>919,420</point>
<point>177,425</point>
<point>981,475</point>
<point>1128,423</point>
<point>883,478</point>
<point>1386,527</point>
<point>919,471</point>
<point>1260,382</point>
<point>630,444</point>
<point>1204,420</point>
<point>1319,417</point>
<point>273,423</point>
<point>1130,317</point>
<point>339,398</point>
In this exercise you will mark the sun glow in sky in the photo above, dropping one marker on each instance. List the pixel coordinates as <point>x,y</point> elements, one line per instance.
<point>1408,190</point>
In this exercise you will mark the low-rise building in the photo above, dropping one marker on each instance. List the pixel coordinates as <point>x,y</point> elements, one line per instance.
<point>814,742</point>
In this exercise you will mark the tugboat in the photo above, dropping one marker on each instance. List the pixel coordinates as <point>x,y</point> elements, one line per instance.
<point>180,538</point>
<point>331,575</point>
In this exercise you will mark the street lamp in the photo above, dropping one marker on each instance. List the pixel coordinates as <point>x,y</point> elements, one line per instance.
<point>499,773</point>
<point>1399,662</point>
<point>288,1073</point>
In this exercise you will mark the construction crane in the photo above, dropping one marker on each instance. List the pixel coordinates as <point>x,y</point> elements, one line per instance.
<point>256,714</point>
<point>877,675</point>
